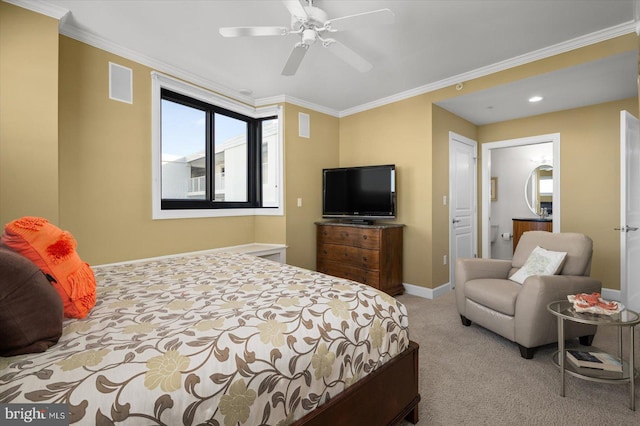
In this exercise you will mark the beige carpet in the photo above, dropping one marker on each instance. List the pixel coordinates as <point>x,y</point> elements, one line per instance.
<point>470,376</point>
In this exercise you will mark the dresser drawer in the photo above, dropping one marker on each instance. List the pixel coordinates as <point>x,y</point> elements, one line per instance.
<point>351,236</point>
<point>353,256</point>
<point>369,254</point>
<point>349,272</point>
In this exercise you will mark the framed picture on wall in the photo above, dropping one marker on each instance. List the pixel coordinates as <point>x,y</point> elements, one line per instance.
<point>494,189</point>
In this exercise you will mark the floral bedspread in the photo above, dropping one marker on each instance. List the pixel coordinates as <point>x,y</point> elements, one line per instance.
<point>220,338</point>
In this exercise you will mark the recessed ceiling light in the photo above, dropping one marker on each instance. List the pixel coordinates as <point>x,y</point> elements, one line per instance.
<point>246,92</point>
<point>534,99</point>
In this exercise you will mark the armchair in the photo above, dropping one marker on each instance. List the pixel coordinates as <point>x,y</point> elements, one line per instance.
<point>485,294</point>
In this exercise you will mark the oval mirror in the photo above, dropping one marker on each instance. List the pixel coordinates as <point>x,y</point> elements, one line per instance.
<point>538,190</point>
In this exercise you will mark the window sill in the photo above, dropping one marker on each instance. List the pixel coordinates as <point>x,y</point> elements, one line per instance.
<point>276,252</point>
<point>159,214</point>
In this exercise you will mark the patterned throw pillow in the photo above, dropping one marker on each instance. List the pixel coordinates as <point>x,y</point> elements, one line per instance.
<point>54,252</point>
<point>540,262</point>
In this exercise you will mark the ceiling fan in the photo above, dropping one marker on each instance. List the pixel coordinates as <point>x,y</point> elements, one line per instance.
<point>312,24</point>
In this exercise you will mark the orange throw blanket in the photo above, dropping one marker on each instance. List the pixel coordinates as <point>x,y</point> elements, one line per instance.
<point>54,252</point>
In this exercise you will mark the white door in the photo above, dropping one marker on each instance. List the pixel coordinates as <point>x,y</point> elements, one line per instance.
<point>629,211</point>
<point>463,238</point>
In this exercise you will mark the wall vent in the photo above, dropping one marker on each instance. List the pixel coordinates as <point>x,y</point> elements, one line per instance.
<point>304,125</point>
<point>120,83</point>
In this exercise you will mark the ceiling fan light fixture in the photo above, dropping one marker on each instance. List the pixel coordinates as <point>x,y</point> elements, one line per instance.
<point>312,24</point>
<point>309,37</point>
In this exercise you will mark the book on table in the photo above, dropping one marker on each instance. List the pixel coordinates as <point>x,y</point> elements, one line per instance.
<point>595,360</point>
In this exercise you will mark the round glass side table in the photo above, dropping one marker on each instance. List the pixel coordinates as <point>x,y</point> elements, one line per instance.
<point>565,312</point>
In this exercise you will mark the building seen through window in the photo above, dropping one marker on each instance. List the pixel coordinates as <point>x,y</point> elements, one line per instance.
<point>239,152</point>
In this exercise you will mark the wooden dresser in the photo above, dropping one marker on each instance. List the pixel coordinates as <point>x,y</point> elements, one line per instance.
<point>533,224</point>
<point>370,254</point>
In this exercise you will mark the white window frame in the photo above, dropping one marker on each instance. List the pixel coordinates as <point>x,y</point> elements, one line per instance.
<point>160,81</point>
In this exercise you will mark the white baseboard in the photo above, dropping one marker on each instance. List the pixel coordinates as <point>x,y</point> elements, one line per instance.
<point>275,252</point>
<point>432,293</point>
<point>427,293</point>
<point>610,294</point>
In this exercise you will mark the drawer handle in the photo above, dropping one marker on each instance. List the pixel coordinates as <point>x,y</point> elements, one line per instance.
<point>364,258</point>
<point>324,251</point>
<point>364,237</point>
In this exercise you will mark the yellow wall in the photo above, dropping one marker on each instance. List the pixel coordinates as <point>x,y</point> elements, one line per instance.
<point>99,166</point>
<point>28,114</point>
<point>105,168</point>
<point>403,133</point>
<point>105,172</point>
<point>589,173</point>
<point>305,158</point>
<point>399,134</point>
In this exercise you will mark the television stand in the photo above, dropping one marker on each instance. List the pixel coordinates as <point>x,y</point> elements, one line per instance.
<point>358,221</point>
<point>368,253</point>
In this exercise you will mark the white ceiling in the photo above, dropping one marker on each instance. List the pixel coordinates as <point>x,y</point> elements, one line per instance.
<point>603,80</point>
<point>432,44</point>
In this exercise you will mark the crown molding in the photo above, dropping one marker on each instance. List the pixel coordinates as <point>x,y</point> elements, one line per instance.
<point>106,45</point>
<point>116,49</point>
<point>98,42</point>
<point>299,102</point>
<point>575,43</point>
<point>43,8</point>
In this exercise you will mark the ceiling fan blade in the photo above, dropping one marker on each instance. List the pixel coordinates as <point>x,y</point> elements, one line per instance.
<point>295,58</point>
<point>296,8</point>
<point>253,31</point>
<point>375,17</point>
<point>349,56</point>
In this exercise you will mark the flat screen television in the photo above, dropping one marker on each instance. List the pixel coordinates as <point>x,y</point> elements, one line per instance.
<point>365,193</point>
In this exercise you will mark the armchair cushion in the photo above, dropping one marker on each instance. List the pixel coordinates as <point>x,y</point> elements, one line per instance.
<point>534,325</point>
<point>579,250</point>
<point>540,262</point>
<point>499,295</point>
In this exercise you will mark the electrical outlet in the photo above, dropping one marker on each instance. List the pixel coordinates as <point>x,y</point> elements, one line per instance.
<point>299,202</point>
<point>444,200</point>
<point>444,259</point>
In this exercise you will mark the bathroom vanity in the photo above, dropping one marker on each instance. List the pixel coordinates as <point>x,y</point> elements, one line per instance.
<point>521,225</point>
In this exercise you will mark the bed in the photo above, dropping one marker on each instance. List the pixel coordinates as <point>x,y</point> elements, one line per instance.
<point>225,339</point>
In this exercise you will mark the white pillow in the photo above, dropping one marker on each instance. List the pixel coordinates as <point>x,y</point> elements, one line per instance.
<point>540,262</point>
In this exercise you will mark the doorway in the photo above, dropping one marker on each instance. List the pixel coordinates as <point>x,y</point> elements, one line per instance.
<point>487,149</point>
<point>629,211</point>
<point>463,200</point>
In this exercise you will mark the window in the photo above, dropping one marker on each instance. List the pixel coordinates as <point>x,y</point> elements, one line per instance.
<point>213,156</point>
<point>207,155</point>
<point>546,185</point>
